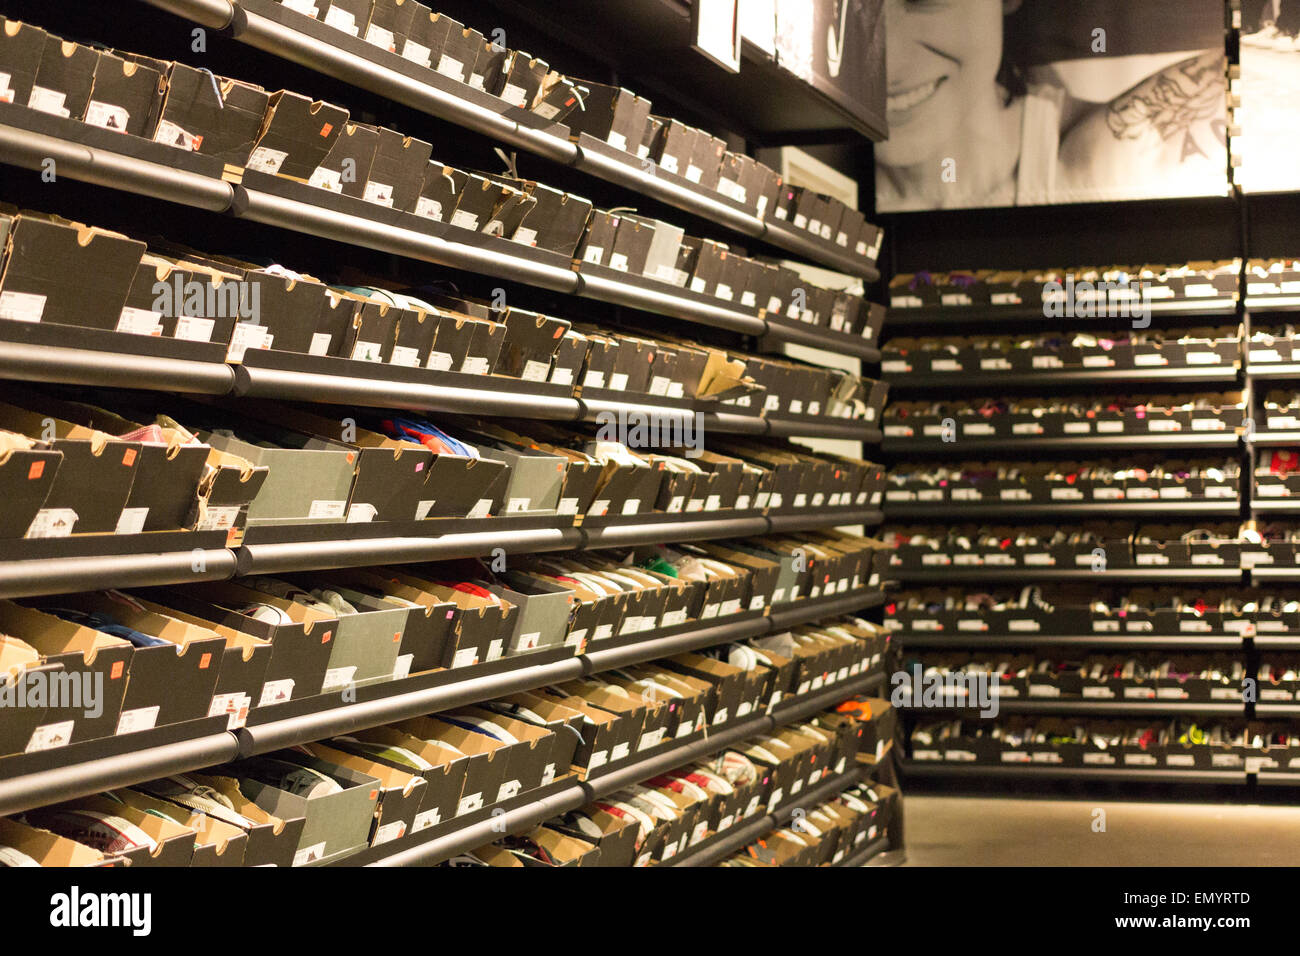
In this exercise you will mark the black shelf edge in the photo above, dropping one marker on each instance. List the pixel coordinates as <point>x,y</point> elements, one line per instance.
<point>300,39</point>
<point>1279,778</point>
<point>904,316</point>
<point>1268,372</point>
<point>967,639</point>
<point>1276,574</point>
<point>719,846</point>
<point>61,575</point>
<point>1267,304</point>
<point>1134,774</point>
<point>962,511</point>
<point>1037,443</point>
<point>963,574</point>
<point>67,781</point>
<point>815,336</point>
<point>1275,505</point>
<point>1266,439</point>
<point>864,856</point>
<point>1291,711</point>
<point>1200,374</point>
<point>1099,708</point>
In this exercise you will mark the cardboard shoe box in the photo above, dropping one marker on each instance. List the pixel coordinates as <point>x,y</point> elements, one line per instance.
<point>21,48</point>
<point>728,683</point>
<point>297,135</point>
<point>401,792</point>
<point>93,670</point>
<point>27,472</point>
<point>127,96</point>
<point>64,78</point>
<point>396,176</point>
<point>346,168</point>
<point>215,117</point>
<point>173,844</point>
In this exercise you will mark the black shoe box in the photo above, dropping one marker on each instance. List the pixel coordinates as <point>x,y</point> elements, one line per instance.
<point>127,96</point>
<point>610,114</point>
<point>529,345</point>
<point>297,135</point>
<point>768,191</point>
<point>195,117</point>
<point>459,53</point>
<point>43,252</point>
<point>632,238</point>
<point>649,137</point>
<point>707,159</point>
<point>479,199</point>
<point>489,67</point>
<point>487,764</point>
<point>27,472</point>
<point>64,78</point>
<point>675,145</point>
<point>85,655</point>
<point>521,79</point>
<point>388,24</point>
<point>346,168</point>
<point>176,321</point>
<point>708,268</point>
<point>440,192</point>
<point>555,222</point>
<point>21,48</point>
<point>396,176</point>
<point>559,97</point>
<point>597,242</point>
<point>512,207</point>
<point>427,35</point>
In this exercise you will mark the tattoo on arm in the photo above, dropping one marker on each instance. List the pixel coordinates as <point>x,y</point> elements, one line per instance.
<point>1171,101</point>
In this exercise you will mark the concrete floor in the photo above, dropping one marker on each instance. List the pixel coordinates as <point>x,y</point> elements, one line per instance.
<point>1000,831</point>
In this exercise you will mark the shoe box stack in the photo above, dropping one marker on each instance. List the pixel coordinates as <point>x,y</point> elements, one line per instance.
<point>592,638</point>
<point>1023,460</point>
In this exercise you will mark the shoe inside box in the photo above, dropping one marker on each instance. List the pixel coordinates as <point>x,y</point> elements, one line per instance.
<point>127,96</point>
<point>211,115</point>
<point>93,668</point>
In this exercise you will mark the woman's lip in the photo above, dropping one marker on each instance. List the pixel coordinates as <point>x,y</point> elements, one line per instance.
<point>913,96</point>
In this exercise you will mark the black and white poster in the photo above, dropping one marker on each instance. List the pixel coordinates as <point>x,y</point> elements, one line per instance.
<point>837,47</point>
<point>1269,91</point>
<point>1027,102</point>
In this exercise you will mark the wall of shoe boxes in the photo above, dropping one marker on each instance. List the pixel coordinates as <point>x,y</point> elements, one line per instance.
<point>224,651</point>
<point>1066,647</point>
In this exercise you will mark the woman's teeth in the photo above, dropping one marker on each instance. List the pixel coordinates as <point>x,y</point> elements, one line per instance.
<point>909,98</point>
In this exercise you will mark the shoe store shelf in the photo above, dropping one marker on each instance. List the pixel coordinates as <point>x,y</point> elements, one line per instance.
<point>1033,445</point>
<point>1265,711</point>
<point>433,846</point>
<point>40,566</point>
<point>1102,642</point>
<point>1122,774</point>
<point>963,575</point>
<point>1001,315</point>
<point>1278,778</point>
<point>1264,439</point>
<point>444,690</point>
<point>282,203</point>
<point>1276,505</point>
<point>73,355</point>
<point>1100,708</point>
<point>713,849</point>
<point>268,26</point>
<point>1276,642</point>
<point>963,511</point>
<point>1267,304</point>
<point>28,780</point>
<point>864,856</point>
<point>1276,574</point>
<point>1081,378</point>
<point>1269,372</point>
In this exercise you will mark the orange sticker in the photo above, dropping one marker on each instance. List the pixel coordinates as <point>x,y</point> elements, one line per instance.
<point>128,458</point>
<point>116,672</point>
<point>558,333</point>
<point>204,661</point>
<point>397,636</point>
<point>374,794</point>
<point>325,638</point>
<point>36,470</point>
<point>198,143</point>
<point>351,456</point>
<point>327,129</point>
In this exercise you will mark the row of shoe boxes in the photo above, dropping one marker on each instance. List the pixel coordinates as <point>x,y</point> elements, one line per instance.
<point>1131,744</point>
<point>379,784</point>
<point>1190,678</point>
<point>175,292</point>
<point>611,114</point>
<point>282,133</point>
<point>1192,282</point>
<point>1021,418</point>
<point>1193,348</point>
<point>258,642</point>
<point>286,134</point>
<point>1269,279</point>
<point>653,821</point>
<point>1065,610</point>
<point>1096,545</point>
<point>1277,473</point>
<point>1066,481</point>
<point>264,465</point>
<point>826,834</point>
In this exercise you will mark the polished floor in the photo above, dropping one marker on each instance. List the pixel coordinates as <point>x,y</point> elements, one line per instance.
<point>1000,831</point>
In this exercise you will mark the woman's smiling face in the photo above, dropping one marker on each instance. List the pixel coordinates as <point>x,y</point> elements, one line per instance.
<point>942,59</point>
